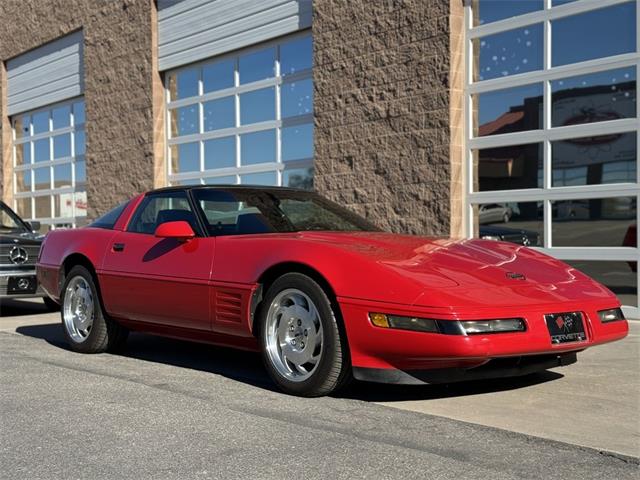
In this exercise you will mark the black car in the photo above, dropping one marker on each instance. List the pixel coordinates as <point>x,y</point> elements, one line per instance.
<point>513,235</point>
<point>19,248</point>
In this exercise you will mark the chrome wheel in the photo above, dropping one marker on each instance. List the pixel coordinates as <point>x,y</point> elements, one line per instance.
<point>293,335</point>
<point>78,309</point>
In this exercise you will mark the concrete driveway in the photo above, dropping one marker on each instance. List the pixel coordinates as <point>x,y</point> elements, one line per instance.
<point>165,398</point>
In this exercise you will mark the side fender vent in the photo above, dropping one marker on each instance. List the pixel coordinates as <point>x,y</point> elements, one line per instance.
<point>228,306</point>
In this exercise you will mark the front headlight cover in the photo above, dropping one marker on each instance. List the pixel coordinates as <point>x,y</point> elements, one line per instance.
<point>501,325</point>
<point>611,315</point>
<point>448,327</point>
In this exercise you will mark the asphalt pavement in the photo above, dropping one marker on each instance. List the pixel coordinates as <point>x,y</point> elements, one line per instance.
<point>168,409</point>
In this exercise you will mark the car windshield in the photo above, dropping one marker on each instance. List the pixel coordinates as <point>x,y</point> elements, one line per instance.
<point>9,221</point>
<point>237,211</point>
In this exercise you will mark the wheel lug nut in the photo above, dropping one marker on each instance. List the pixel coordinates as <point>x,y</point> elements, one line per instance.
<point>301,344</point>
<point>306,333</point>
<point>299,322</point>
<point>291,328</point>
<point>293,342</point>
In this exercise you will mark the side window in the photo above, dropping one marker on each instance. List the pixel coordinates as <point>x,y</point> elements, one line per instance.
<point>227,215</point>
<point>157,209</point>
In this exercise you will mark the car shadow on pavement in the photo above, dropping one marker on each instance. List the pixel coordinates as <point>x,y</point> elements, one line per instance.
<point>10,307</point>
<point>247,367</point>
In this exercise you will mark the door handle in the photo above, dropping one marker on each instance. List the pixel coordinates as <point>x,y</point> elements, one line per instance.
<point>118,247</point>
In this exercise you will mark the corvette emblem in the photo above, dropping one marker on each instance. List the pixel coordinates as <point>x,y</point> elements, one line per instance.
<point>18,255</point>
<point>516,276</point>
<point>560,321</point>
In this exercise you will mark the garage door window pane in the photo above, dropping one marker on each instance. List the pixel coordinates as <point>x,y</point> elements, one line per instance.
<point>42,178</point>
<point>258,147</point>
<point>258,106</point>
<point>220,153</point>
<point>297,142</point>
<point>62,176</point>
<point>265,178</point>
<point>296,55</point>
<point>297,98</point>
<point>61,116</point>
<point>79,142</point>
<point>62,146</point>
<point>41,150</point>
<point>78,113</point>
<point>219,114</point>
<point>510,110</point>
<point>595,160</point>
<point>81,172</point>
<point>23,181</point>
<point>257,66</point>
<point>184,84</point>
<point>602,222</point>
<point>184,120</point>
<point>619,277</point>
<point>40,122</point>
<point>509,53</point>
<point>494,10</point>
<point>508,168</point>
<point>218,76</point>
<point>597,97</point>
<point>21,126</point>
<point>227,180</point>
<point>23,153</point>
<point>42,207</point>
<point>595,34</point>
<point>23,208</point>
<point>298,178</point>
<point>185,157</point>
<point>516,222</point>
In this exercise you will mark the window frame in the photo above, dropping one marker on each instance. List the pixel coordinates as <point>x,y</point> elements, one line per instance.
<point>202,175</point>
<point>547,134</point>
<point>199,231</point>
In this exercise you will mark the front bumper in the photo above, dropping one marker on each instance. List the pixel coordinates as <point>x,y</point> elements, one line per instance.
<point>377,352</point>
<point>4,281</point>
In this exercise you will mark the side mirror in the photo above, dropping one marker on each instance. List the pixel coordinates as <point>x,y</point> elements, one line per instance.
<point>180,230</point>
<point>34,226</point>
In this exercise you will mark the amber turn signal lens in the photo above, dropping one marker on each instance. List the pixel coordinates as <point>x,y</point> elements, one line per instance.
<point>379,320</point>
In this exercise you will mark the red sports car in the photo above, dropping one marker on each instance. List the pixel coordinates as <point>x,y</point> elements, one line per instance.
<point>322,293</point>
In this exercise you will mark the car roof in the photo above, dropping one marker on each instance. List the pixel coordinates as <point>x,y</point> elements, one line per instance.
<point>258,188</point>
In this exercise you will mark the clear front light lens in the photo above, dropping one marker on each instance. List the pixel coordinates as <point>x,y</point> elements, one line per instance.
<point>611,315</point>
<point>493,326</point>
<point>412,323</point>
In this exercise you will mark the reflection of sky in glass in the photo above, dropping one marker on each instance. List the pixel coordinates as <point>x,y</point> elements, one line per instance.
<point>188,156</point>
<point>491,105</point>
<point>61,117</point>
<point>187,83</point>
<point>555,3</point>
<point>594,97</point>
<point>81,172</point>
<point>42,178</point>
<point>297,142</point>
<point>78,113</point>
<point>296,56</point>
<point>40,122</point>
<point>62,175</point>
<point>41,150</point>
<point>228,180</point>
<point>187,119</point>
<point>257,66</point>
<point>217,76</point>
<point>493,10</point>
<point>595,34</point>
<point>258,106</point>
<point>258,147</point>
<point>219,114</point>
<point>24,183</point>
<point>79,142</point>
<point>220,153</point>
<point>62,146</point>
<point>297,98</point>
<point>265,178</point>
<point>511,52</point>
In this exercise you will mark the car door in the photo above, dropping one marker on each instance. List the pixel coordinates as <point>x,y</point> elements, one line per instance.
<point>159,280</point>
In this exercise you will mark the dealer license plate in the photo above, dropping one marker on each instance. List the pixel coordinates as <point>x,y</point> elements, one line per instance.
<point>22,285</point>
<point>565,327</point>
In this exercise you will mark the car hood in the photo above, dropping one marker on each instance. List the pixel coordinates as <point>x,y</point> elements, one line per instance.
<point>26,238</point>
<point>467,272</point>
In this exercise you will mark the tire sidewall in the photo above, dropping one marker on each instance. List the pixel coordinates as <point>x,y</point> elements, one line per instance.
<point>332,343</point>
<point>91,343</point>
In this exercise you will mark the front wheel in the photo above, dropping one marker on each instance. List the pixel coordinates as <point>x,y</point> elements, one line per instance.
<point>86,326</point>
<point>302,347</point>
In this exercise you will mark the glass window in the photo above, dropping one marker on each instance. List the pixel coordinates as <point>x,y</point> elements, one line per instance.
<point>298,178</point>
<point>487,11</point>
<point>185,157</point>
<point>61,116</point>
<point>509,53</point>
<point>220,153</point>
<point>516,222</point>
<point>62,176</point>
<point>509,110</point>
<point>184,84</point>
<point>78,113</point>
<point>595,160</point>
<point>219,114</point>
<point>40,122</point>
<point>23,181</point>
<point>508,168</point>
<point>226,180</point>
<point>602,222</point>
<point>41,150</point>
<point>42,207</point>
<point>594,34</point>
<point>81,172</point>
<point>79,142</point>
<point>62,146</point>
<point>23,208</point>
<point>264,178</point>
<point>160,208</point>
<point>21,126</point>
<point>109,219</point>
<point>297,98</point>
<point>297,142</point>
<point>258,106</point>
<point>595,97</point>
<point>218,75</point>
<point>257,65</point>
<point>42,178</point>
<point>258,147</point>
<point>619,277</point>
<point>185,120</point>
<point>22,154</point>
<point>296,55</point>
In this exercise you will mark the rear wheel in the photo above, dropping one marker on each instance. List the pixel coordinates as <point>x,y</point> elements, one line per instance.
<point>302,346</point>
<point>86,326</point>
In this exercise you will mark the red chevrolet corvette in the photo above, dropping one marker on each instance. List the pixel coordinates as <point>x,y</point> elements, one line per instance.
<point>322,293</point>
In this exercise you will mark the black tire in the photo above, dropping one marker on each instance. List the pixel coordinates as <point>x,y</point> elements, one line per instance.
<point>334,367</point>
<point>105,333</point>
<point>51,305</point>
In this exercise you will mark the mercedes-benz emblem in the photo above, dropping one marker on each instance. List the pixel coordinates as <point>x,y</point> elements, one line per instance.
<point>18,255</point>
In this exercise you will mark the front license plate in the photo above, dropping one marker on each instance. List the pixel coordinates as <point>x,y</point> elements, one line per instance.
<point>22,285</point>
<point>565,327</point>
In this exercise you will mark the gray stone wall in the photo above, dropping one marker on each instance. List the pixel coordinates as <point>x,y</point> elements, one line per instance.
<point>118,51</point>
<point>382,107</point>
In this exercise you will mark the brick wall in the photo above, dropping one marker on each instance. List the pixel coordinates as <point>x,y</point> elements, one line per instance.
<point>382,104</point>
<point>119,82</point>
